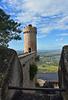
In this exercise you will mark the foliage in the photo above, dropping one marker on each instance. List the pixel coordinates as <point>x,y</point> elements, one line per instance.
<point>9,29</point>
<point>37,58</point>
<point>33,71</point>
<point>48,85</point>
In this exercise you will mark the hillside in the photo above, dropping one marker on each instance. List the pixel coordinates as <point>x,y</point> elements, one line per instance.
<point>49,61</point>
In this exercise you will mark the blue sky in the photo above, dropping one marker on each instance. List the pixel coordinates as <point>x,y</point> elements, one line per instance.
<point>49,16</point>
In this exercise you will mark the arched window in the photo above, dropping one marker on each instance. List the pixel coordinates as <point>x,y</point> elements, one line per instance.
<point>29,50</point>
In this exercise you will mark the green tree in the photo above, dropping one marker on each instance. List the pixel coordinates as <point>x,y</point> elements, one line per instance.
<point>9,29</point>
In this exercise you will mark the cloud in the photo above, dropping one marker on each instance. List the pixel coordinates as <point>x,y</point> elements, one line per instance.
<point>59,39</point>
<point>63,34</point>
<point>41,36</point>
<point>5,7</point>
<point>10,0</point>
<point>0,7</point>
<point>3,1</point>
<point>19,41</point>
<point>12,13</point>
<point>41,13</point>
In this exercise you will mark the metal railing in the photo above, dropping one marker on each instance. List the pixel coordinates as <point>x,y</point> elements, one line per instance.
<point>37,89</point>
<point>41,89</point>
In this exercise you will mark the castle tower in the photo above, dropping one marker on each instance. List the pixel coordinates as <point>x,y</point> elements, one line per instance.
<point>30,39</point>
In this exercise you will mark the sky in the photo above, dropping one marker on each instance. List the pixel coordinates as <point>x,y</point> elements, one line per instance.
<point>49,16</point>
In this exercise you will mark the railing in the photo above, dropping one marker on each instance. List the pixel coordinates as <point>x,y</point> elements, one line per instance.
<point>41,89</point>
<point>37,89</point>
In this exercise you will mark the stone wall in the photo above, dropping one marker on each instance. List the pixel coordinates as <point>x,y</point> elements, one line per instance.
<point>14,71</point>
<point>10,73</point>
<point>26,60</point>
<point>63,72</point>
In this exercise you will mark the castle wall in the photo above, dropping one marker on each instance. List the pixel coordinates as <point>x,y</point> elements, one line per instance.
<point>14,71</point>
<point>10,73</point>
<point>26,60</point>
<point>63,72</point>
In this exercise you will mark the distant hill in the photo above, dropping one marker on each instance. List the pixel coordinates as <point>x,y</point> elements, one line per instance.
<point>19,52</point>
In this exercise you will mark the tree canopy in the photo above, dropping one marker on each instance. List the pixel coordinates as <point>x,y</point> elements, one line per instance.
<point>9,29</point>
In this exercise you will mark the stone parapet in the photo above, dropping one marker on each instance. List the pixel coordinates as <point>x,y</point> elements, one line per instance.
<point>10,73</point>
<point>63,72</point>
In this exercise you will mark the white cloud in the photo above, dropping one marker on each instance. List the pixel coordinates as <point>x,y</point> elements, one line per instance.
<point>20,41</point>
<point>5,6</point>
<point>45,29</point>
<point>0,7</point>
<point>59,39</point>
<point>63,34</point>
<point>11,13</point>
<point>52,14</point>
<point>3,0</point>
<point>42,36</point>
<point>10,0</point>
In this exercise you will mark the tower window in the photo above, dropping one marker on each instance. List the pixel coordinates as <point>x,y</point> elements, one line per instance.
<point>29,50</point>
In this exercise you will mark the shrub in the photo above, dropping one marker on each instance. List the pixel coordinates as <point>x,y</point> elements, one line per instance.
<point>33,71</point>
<point>48,84</point>
<point>37,58</point>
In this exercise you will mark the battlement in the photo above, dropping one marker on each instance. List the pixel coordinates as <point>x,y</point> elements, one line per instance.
<point>30,29</point>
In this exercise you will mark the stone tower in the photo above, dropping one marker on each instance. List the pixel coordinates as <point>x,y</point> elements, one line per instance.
<point>30,39</point>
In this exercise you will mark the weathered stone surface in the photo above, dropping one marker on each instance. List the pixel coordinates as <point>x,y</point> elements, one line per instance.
<point>10,73</point>
<point>30,96</point>
<point>26,60</point>
<point>63,71</point>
